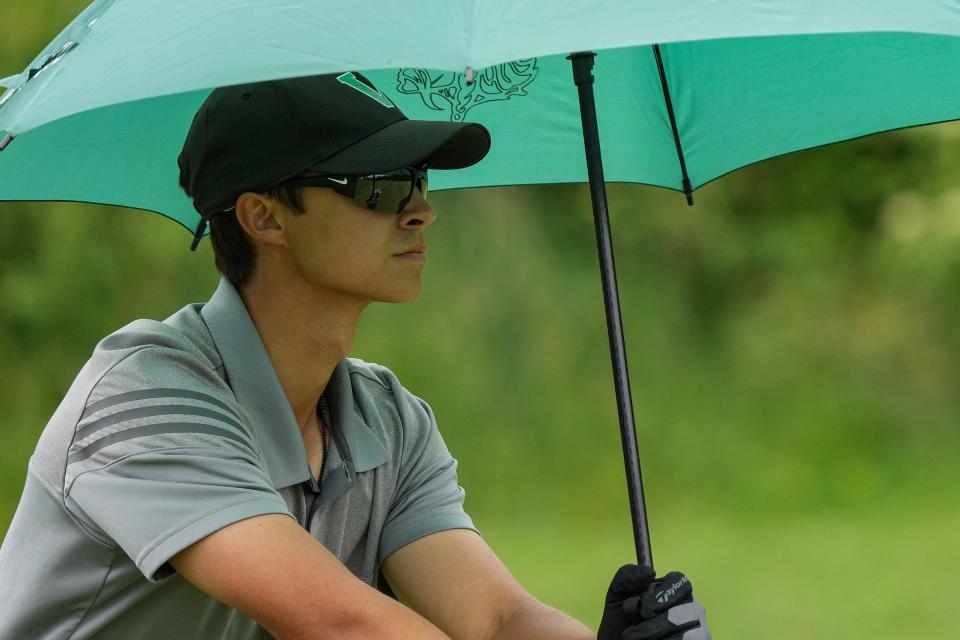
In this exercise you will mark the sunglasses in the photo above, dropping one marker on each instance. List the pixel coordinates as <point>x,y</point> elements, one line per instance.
<point>387,192</point>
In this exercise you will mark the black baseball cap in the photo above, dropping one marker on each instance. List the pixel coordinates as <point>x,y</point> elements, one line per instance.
<point>251,137</point>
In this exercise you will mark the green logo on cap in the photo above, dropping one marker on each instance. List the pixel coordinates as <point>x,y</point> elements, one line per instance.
<point>353,81</point>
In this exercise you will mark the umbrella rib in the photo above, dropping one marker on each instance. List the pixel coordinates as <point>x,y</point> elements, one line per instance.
<point>687,189</point>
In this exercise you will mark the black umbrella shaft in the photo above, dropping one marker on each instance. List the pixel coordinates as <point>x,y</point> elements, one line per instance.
<point>583,77</point>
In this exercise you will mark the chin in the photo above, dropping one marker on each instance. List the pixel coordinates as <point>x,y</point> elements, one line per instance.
<point>401,296</point>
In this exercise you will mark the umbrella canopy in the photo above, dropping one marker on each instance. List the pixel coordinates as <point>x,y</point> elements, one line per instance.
<point>100,114</point>
<point>685,92</point>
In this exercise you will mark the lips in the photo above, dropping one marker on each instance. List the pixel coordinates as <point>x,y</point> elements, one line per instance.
<point>420,248</point>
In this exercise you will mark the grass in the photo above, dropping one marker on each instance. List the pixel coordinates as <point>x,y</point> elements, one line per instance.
<point>882,574</point>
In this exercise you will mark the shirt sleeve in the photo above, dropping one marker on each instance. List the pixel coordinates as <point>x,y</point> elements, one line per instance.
<point>162,457</point>
<point>429,497</point>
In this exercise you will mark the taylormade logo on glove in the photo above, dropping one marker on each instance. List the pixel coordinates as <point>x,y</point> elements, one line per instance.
<point>663,596</point>
<point>641,607</point>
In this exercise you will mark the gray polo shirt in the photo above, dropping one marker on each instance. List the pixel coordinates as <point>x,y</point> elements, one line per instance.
<point>175,429</point>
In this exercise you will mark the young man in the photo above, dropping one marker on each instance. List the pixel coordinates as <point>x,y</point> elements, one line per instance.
<point>230,472</point>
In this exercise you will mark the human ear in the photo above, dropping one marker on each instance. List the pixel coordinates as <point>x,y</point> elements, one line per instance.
<point>257,215</point>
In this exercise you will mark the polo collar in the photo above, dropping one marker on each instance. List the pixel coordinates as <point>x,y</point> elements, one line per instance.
<point>254,382</point>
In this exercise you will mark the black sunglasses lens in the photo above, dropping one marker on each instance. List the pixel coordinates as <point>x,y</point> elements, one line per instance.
<point>422,183</point>
<point>389,193</point>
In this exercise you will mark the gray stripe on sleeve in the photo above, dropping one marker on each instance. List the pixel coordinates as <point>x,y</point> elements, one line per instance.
<point>144,394</point>
<point>157,410</point>
<point>154,429</point>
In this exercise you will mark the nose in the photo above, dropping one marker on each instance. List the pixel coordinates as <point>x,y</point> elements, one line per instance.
<point>417,213</point>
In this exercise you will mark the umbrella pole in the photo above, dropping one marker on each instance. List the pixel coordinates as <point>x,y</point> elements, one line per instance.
<point>583,77</point>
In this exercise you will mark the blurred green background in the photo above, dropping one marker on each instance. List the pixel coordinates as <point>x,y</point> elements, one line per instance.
<point>793,351</point>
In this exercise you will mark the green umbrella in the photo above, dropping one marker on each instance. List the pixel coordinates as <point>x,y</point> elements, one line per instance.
<point>686,91</point>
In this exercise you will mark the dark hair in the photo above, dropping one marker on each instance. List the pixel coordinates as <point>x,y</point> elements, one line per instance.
<point>233,252</point>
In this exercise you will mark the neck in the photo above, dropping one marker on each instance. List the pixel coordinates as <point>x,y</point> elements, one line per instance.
<point>306,331</point>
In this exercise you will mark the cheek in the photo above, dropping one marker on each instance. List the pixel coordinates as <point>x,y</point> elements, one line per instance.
<point>343,253</point>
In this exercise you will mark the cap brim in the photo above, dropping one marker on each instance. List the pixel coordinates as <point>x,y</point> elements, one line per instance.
<point>443,145</point>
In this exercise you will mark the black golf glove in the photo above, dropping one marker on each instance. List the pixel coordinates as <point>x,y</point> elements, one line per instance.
<point>642,607</point>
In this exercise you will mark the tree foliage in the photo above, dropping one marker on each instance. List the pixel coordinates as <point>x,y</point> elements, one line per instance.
<point>791,338</point>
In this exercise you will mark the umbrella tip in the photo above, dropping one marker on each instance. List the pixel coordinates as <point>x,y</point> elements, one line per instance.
<point>7,139</point>
<point>469,73</point>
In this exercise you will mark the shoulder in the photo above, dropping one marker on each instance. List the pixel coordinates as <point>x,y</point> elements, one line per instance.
<point>183,332</point>
<point>379,383</point>
<point>149,385</point>
<point>365,373</point>
<point>389,406</point>
<point>177,352</point>
<point>158,397</point>
<point>151,355</point>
